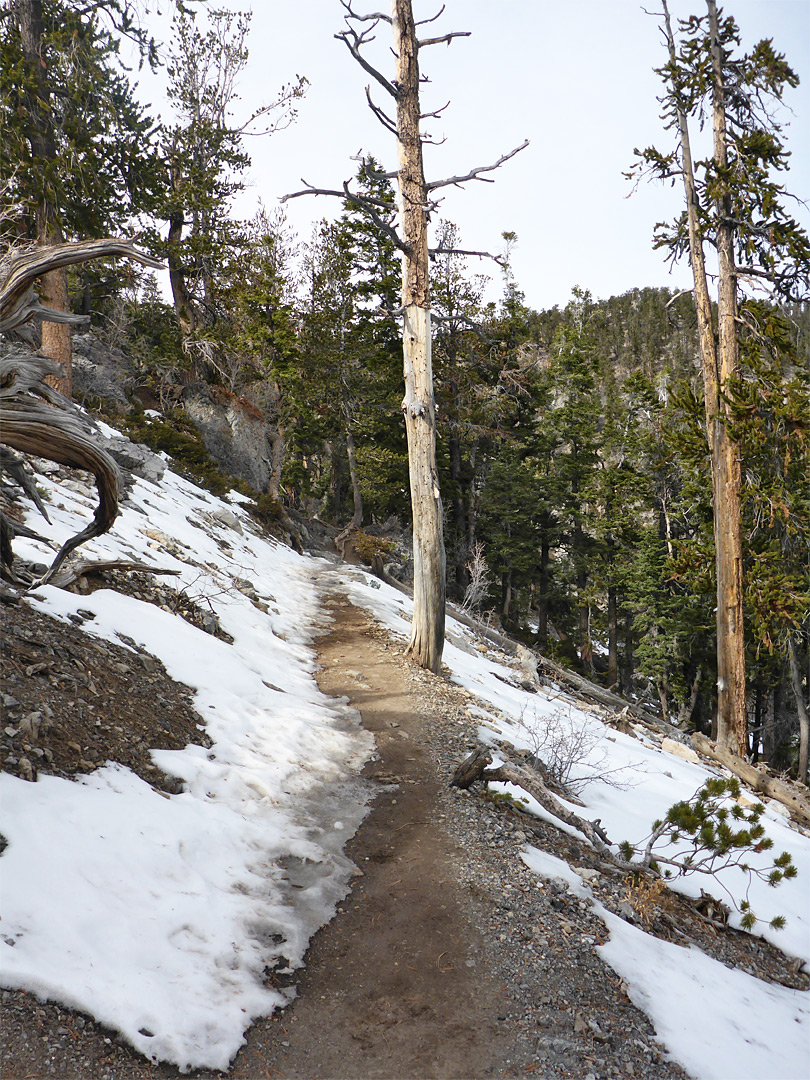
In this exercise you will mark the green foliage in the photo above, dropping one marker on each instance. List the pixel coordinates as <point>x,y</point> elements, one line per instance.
<point>176,435</point>
<point>73,136</point>
<point>716,832</point>
<point>369,547</point>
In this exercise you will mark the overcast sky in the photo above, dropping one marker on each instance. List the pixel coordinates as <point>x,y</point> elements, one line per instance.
<point>573,77</point>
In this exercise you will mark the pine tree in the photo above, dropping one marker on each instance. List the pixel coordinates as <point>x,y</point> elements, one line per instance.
<point>733,203</point>
<point>78,157</point>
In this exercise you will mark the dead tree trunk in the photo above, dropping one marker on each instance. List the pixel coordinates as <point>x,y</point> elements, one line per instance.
<point>415,203</point>
<point>727,486</point>
<point>427,630</point>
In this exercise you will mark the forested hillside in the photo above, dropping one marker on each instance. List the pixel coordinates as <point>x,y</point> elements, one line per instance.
<point>571,443</point>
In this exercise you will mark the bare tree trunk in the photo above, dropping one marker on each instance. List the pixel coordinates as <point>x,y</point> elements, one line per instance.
<point>357,516</point>
<point>687,710</point>
<point>731,720</point>
<point>731,698</point>
<point>427,632</point>
<point>804,719</point>
<point>613,640</point>
<point>56,337</point>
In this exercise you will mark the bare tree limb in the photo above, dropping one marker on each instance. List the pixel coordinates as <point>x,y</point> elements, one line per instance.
<point>445,39</point>
<point>475,174</point>
<point>366,203</point>
<point>374,16</point>
<point>36,419</point>
<point>354,43</point>
<point>499,259</point>
<point>435,114</point>
<point>19,271</point>
<point>433,18</point>
<point>383,117</point>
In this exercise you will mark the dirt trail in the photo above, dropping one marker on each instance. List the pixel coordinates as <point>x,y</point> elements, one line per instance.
<point>394,985</point>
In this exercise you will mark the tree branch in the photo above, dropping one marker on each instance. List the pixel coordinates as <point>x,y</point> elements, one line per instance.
<point>19,271</point>
<point>446,38</point>
<point>365,203</point>
<point>474,174</point>
<point>499,259</point>
<point>354,43</point>
<point>384,118</point>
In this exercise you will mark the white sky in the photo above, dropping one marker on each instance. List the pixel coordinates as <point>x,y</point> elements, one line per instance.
<point>575,78</point>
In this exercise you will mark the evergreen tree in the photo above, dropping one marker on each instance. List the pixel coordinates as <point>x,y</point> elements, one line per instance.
<point>78,158</point>
<point>734,203</point>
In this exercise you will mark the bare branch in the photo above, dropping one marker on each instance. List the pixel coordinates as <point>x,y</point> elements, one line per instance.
<point>383,117</point>
<point>19,271</point>
<point>435,114</point>
<point>433,18</point>
<point>366,203</point>
<point>499,259</point>
<point>677,296</point>
<point>474,174</point>
<point>374,16</point>
<point>446,38</point>
<point>354,43</point>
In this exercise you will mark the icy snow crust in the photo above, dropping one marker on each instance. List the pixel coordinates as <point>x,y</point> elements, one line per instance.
<point>717,1023</point>
<point>159,915</point>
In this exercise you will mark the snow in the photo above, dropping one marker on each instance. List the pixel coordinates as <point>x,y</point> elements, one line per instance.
<point>719,1024</point>
<point>159,914</point>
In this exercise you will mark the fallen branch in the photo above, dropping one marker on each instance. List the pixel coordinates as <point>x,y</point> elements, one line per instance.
<point>759,781</point>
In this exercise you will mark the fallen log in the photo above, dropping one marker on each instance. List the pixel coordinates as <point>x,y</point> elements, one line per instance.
<point>762,782</point>
<point>475,768</point>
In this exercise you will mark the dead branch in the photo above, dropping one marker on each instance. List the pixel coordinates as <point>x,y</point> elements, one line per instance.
<point>374,16</point>
<point>435,114</point>
<point>796,802</point>
<point>444,39</point>
<point>36,419</point>
<point>499,259</point>
<point>433,18</point>
<point>382,116</point>
<point>366,203</point>
<point>475,174</point>
<point>354,42</point>
<point>475,768</point>
<point>83,567</point>
<point>20,269</point>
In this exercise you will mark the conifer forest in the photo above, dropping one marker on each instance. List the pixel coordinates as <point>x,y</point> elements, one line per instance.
<point>622,483</point>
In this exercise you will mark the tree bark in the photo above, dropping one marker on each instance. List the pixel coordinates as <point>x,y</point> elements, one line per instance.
<point>731,697</point>
<point>427,632</point>
<point>731,720</point>
<point>804,719</point>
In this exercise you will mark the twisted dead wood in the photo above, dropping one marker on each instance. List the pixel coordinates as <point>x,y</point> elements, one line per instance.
<point>21,268</point>
<point>36,419</point>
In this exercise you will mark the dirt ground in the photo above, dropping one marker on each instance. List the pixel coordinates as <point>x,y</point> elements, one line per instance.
<point>448,958</point>
<point>394,987</point>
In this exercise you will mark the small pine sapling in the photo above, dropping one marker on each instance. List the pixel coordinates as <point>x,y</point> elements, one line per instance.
<point>714,836</point>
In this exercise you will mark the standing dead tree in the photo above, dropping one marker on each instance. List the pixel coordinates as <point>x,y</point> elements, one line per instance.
<point>417,200</point>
